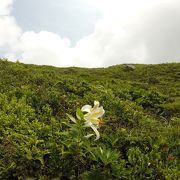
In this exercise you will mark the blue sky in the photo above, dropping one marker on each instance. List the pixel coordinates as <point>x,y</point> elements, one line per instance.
<point>90,33</point>
<point>68,18</point>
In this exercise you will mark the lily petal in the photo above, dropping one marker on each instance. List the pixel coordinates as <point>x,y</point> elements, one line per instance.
<point>93,120</point>
<point>96,103</point>
<point>98,112</point>
<point>88,124</point>
<point>86,108</point>
<point>96,132</point>
<point>89,135</point>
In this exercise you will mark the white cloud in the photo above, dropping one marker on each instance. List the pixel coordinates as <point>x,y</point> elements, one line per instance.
<point>138,32</point>
<point>5,7</point>
<point>160,33</point>
<point>45,48</point>
<point>147,35</point>
<point>110,44</point>
<point>9,31</point>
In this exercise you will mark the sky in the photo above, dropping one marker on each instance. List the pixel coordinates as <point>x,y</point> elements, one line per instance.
<point>90,33</point>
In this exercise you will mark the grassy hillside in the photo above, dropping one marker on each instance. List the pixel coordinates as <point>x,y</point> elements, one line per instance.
<point>139,134</point>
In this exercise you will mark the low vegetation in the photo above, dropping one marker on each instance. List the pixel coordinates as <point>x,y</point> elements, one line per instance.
<point>42,132</point>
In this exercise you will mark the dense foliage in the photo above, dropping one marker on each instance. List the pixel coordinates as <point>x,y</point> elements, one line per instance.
<point>139,136</point>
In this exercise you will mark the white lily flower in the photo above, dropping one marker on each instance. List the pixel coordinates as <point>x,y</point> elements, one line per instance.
<point>93,116</point>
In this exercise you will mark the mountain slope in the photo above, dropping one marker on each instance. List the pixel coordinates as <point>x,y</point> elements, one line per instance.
<point>139,136</point>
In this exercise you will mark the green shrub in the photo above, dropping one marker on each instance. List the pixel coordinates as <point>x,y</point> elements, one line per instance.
<point>139,134</point>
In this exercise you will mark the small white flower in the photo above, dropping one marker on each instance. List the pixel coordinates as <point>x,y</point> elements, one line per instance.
<point>93,117</point>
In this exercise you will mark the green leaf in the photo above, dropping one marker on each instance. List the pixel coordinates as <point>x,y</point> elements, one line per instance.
<point>79,114</point>
<point>28,154</point>
<point>71,118</point>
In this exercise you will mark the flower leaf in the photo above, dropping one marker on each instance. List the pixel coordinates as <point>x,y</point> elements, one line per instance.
<point>71,118</point>
<point>79,114</point>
